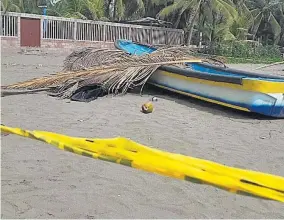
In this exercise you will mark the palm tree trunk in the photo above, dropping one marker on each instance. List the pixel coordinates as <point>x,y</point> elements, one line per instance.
<point>178,20</point>
<point>108,8</point>
<point>189,29</point>
<point>112,9</point>
<point>191,22</point>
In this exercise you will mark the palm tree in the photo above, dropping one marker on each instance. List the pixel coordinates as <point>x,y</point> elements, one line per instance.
<point>83,9</point>
<point>9,5</point>
<point>279,14</point>
<point>151,10</point>
<point>23,6</point>
<point>241,26</point>
<point>190,10</point>
<point>216,26</point>
<point>123,9</point>
<point>265,22</point>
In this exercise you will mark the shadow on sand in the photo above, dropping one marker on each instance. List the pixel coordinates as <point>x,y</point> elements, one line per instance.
<point>199,104</point>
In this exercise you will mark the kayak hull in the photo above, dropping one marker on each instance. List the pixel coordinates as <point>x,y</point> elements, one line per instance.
<point>242,90</point>
<point>241,95</point>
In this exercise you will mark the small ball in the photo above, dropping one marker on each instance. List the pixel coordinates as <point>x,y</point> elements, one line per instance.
<point>147,108</point>
<point>154,99</point>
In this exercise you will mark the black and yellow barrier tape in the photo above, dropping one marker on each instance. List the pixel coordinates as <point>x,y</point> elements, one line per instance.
<point>126,152</point>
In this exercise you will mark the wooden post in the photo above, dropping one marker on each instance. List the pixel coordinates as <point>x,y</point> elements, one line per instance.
<point>200,39</point>
<point>166,37</point>
<point>1,29</point>
<point>129,33</point>
<point>104,33</point>
<point>151,36</point>
<point>75,31</point>
<point>41,28</point>
<point>19,29</point>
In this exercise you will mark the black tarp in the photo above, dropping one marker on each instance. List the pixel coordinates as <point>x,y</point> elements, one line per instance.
<point>88,93</point>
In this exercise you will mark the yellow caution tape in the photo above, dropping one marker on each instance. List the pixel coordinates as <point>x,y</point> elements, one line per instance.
<point>126,152</point>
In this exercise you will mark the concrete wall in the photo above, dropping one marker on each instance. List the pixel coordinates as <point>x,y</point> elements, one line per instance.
<point>14,42</point>
<point>71,44</point>
<point>7,42</point>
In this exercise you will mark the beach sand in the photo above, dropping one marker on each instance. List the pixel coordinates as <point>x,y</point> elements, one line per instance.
<point>41,181</point>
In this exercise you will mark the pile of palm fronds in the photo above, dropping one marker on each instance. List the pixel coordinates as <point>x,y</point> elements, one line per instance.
<point>114,70</point>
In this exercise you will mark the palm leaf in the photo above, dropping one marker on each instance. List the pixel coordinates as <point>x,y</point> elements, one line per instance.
<point>257,22</point>
<point>276,28</point>
<point>134,7</point>
<point>120,8</point>
<point>96,7</point>
<point>179,6</point>
<point>161,2</point>
<point>114,70</point>
<point>169,10</point>
<point>246,16</point>
<point>226,8</point>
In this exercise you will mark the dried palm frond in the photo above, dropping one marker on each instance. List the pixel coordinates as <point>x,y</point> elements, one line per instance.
<point>114,70</point>
<point>88,57</point>
<point>92,57</point>
<point>18,92</point>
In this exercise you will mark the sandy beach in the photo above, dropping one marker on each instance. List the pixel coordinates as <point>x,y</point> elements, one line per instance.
<point>40,181</point>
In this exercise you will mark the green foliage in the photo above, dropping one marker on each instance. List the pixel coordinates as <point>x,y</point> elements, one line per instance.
<point>218,20</point>
<point>262,60</point>
<point>202,11</point>
<point>24,6</point>
<point>266,21</point>
<point>244,52</point>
